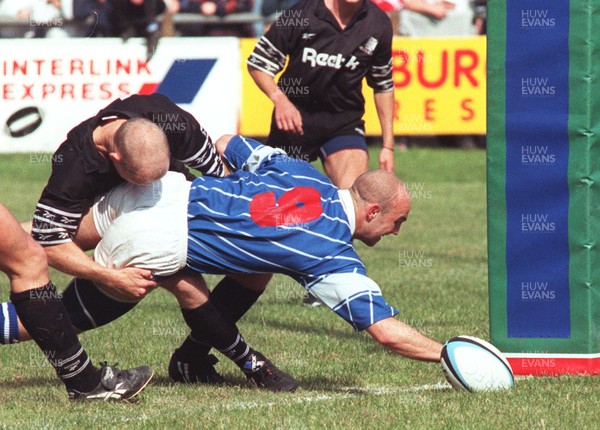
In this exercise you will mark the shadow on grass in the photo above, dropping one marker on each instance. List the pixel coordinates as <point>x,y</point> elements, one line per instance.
<point>26,382</point>
<point>295,326</point>
<point>322,384</point>
<point>230,382</point>
<point>328,385</point>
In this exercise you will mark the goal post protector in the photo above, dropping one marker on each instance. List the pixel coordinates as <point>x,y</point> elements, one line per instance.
<point>543,166</point>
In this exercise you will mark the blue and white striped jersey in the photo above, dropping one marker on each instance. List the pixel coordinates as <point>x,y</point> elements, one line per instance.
<point>277,214</point>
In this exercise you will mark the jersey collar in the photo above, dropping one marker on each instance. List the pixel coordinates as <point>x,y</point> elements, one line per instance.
<point>323,13</point>
<point>348,206</point>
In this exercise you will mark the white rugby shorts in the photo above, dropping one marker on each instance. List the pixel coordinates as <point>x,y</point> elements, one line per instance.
<point>145,226</point>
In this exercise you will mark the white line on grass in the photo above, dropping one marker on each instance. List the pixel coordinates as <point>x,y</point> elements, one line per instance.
<point>341,393</point>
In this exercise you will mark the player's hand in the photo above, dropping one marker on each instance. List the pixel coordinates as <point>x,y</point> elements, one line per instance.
<point>130,283</point>
<point>386,160</point>
<point>287,116</point>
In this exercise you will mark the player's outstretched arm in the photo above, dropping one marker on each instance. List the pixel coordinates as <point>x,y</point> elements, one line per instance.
<point>404,340</point>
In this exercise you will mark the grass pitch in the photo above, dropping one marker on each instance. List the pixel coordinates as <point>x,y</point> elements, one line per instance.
<point>434,272</point>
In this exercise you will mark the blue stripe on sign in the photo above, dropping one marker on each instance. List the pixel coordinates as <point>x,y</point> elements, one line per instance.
<point>537,149</point>
<point>184,79</point>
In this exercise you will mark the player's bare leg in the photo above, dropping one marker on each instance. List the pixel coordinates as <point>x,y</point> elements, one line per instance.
<point>344,166</point>
<point>190,290</point>
<point>40,309</point>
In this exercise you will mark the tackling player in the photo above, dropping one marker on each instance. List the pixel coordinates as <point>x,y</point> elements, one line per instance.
<point>136,139</point>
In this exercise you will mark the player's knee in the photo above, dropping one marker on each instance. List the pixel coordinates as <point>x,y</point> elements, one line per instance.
<point>36,253</point>
<point>32,262</point>
<point>262,280</point>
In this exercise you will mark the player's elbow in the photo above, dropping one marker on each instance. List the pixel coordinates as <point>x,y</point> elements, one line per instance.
<point>385,340</point>
<point>222,142</point>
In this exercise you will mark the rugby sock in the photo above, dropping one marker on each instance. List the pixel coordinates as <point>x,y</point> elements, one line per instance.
<point>9,325</point>
<point>44,316</point>
<point>233,301</point>
<point>89,307</point>
<point>210,327</point>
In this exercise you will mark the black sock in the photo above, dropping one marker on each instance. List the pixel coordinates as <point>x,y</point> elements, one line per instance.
<point>233,300</point>
<point>210,327</point>
<point>192,347</point>
<point>88,307</point>
<point>44,316</point>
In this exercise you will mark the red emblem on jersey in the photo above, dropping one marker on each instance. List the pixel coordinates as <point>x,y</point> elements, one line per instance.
<point>297,206</point>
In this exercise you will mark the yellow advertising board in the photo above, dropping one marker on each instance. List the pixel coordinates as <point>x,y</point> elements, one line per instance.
<point>439,89</point>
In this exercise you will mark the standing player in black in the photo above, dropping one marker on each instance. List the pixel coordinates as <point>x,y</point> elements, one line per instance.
<point>318,104</point>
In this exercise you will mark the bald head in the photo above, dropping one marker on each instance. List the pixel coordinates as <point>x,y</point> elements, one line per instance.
<point>379,186</point>
<point>141,151</point>
<point>382,204</point>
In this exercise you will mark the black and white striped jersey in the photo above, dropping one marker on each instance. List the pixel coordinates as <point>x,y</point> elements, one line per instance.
<point>80,172</point>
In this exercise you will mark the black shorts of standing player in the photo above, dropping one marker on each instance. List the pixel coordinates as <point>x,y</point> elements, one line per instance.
<point>324,134</point>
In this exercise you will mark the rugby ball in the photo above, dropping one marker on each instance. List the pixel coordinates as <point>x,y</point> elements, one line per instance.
<point>472,364</point>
